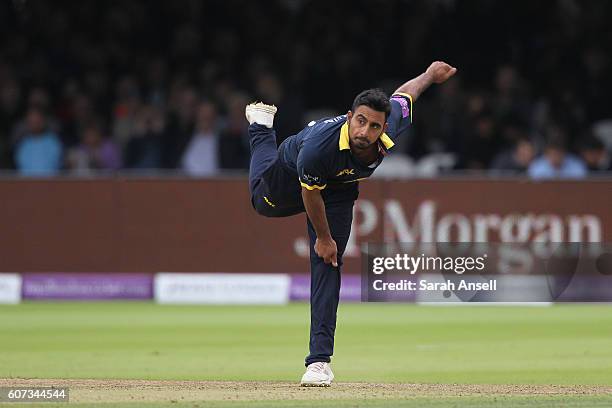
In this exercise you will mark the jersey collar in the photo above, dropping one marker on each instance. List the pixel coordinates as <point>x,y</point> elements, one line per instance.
<point>343,142</point>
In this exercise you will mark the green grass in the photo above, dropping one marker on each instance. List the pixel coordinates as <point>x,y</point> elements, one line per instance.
<point>563,344</point>
<point>566,344</point>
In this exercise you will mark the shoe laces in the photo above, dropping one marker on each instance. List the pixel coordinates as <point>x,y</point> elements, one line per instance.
<point>318,367</point>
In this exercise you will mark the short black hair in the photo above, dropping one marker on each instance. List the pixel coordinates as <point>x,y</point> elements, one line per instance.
<point>375,99</point>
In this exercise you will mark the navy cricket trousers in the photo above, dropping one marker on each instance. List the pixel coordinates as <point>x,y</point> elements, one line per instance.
<point>276,192</point>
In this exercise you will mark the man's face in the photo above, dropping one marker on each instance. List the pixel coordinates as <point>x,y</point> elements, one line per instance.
<point>555,156</point>
<point>35,122</point>
<point>524,153</point>
<point>366,125</point>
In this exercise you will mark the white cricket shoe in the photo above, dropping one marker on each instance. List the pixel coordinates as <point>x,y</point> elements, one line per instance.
<point>329,373</point>
<point>317,374</point>
<point>260,113</point>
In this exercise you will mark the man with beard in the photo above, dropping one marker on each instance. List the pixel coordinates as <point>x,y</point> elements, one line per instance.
<point>317,171</point>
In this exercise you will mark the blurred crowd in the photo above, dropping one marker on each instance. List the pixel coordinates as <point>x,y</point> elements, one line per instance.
<point>141,85</point>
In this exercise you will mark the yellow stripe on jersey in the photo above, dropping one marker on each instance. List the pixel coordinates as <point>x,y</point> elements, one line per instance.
<point>356,180</point>
<point>269,202</point>
<point>343,143</point>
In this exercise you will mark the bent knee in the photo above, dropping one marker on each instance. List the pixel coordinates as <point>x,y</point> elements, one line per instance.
<point>264,206</point>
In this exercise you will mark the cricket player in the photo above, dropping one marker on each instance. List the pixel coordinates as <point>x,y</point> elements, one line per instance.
<point>317,171</point>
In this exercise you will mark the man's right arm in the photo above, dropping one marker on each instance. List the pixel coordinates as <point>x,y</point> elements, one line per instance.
<point>325,246</point>
<point>312,170</point>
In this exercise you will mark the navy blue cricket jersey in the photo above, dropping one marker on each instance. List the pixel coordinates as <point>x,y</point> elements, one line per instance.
<point>321,156</point>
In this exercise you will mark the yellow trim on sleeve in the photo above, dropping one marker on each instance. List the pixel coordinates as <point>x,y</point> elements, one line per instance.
<point>307,187</point>
<point>343,143</point>
<point>405,95</point>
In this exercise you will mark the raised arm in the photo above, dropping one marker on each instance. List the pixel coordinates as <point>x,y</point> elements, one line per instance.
<point>437,73</point>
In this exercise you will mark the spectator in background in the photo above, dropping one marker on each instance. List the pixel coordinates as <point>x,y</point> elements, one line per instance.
<point>556,162</point>
<point>39,151</point>
<point>124,112</point>
<point>38,99</point>
<point>201,156</point>
<point>234,139</point>
<point>594,154</point>
<point>105,59</point>
<point>182,108</point>
<point>517,159</point>
<point>76,111</point>
<point>143,150</point>
<point>95,151</point>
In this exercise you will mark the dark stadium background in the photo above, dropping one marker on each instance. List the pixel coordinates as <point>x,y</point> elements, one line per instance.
<point>535,70</point>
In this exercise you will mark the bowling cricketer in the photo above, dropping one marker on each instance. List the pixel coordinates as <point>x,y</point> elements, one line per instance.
<point>318,171</point>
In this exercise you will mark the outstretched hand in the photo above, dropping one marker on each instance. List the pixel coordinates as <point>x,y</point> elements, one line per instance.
<point>440,72</point>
